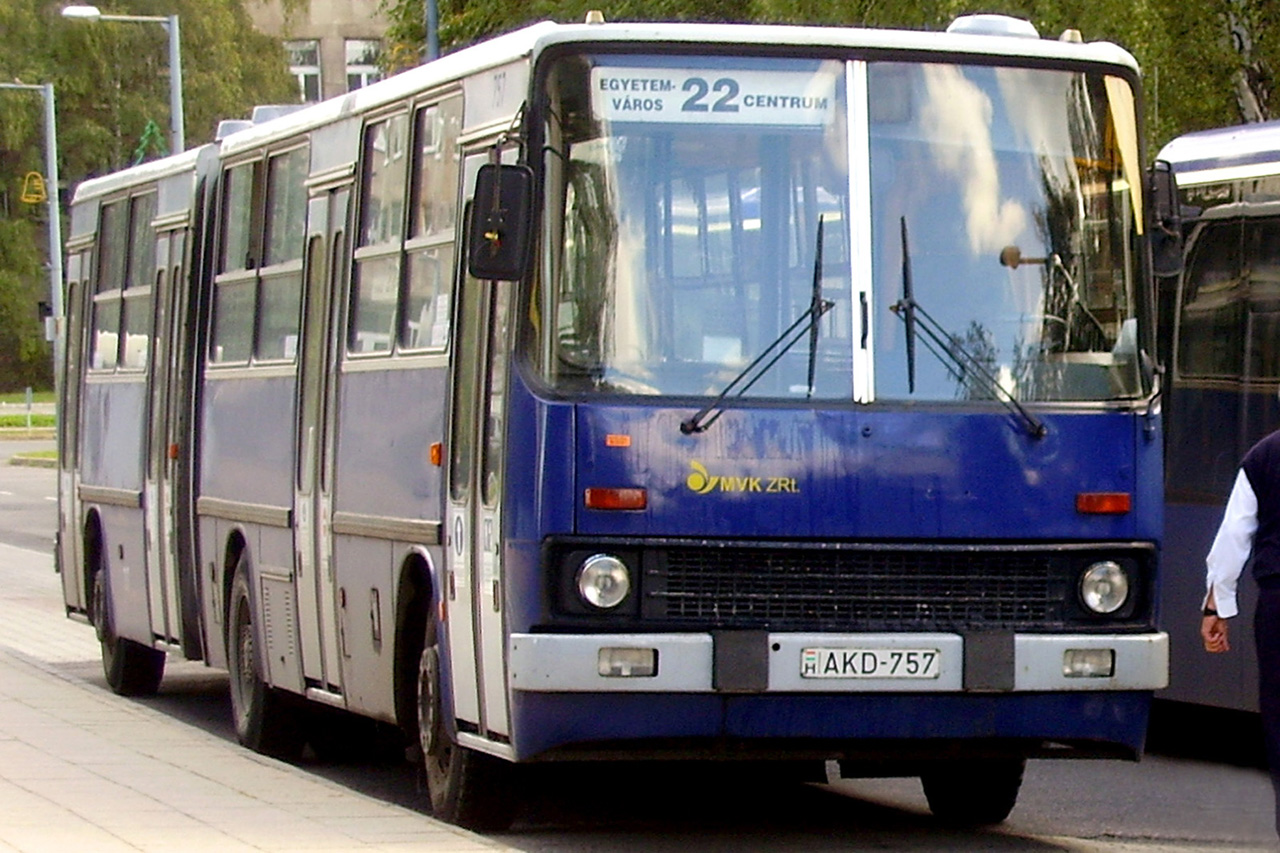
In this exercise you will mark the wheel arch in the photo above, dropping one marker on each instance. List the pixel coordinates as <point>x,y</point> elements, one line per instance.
<point>237,545</point>
<point>92,553</point>
<point>416,595</point>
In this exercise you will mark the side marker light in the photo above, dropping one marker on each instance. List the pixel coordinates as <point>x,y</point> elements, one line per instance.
<point>616,498</point>
<point>1104,503</point>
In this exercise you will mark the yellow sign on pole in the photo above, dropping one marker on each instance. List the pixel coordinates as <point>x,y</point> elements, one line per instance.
<point>33,191</point>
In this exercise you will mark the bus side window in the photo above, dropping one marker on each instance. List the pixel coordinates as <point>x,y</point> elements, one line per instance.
<point>280,288</point>
<point>122,289</point>
<point>1262,250</point>
<point>233,322</point>
<point>113,231</point>
<point>430,249</point>
<point>375,287</point>
<point>135,325</point>
<point>237,219</point>
<point>231,341</point>
<point>1211,325</point>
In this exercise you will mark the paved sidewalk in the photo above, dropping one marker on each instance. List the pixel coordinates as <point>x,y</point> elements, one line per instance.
<point>82,769</point>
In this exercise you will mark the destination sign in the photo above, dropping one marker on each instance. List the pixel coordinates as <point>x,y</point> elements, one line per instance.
<point>709,96</point>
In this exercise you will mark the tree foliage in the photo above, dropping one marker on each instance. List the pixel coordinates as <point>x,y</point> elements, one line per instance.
<point>111,80</point>
<point>463,22</point>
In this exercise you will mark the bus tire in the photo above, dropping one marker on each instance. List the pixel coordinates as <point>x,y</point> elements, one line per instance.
<point>464,787</point>
<point>131,669</point>
<point>974,793</point>
<point>266,719</point>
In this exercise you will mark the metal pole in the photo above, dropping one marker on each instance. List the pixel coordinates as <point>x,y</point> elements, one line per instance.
<point>433,30</point>
<point>55,226</point>
<point>177,136</point>
<point>53,330</point>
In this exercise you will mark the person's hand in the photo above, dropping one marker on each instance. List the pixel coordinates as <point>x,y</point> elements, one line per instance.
<point>1213,630</point>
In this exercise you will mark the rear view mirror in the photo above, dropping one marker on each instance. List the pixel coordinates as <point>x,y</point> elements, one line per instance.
<point>500,226</point>
<point>1166,220</point>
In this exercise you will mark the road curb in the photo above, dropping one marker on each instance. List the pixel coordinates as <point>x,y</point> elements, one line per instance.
<point>25,434</point>
<point>33,461</point>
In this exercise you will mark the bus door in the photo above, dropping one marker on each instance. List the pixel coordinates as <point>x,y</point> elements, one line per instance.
<point>477,639</point>
<point>70,558</point>
<point>313,483</point>
<point>158,498</point>
<point>1261,261</point>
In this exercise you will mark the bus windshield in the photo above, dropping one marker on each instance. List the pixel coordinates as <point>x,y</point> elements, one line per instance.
<point>700,210</point>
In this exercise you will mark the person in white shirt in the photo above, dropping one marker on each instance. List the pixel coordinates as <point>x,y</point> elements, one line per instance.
<point>1251,530</point>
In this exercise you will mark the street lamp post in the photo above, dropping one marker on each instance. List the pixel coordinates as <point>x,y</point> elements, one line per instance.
<point>432,20</point>
<point>177,139</point>
<point>53,330</point>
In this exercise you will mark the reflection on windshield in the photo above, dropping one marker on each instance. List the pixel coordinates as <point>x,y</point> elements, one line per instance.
<point>1023,230</point>
<point>682,196</point>
<point>691,196</point>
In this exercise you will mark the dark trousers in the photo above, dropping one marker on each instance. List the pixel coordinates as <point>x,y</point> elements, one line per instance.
<point>1266,633</point>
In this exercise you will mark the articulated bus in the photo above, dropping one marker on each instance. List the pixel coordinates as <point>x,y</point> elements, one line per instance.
<point>642,391</point>
<point>1220,335</point>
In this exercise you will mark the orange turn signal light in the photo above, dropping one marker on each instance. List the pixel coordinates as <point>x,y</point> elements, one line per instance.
<point>1104,503</point>
<point>616,498</point>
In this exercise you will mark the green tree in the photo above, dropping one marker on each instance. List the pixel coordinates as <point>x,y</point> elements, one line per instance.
<point>463,22</point>
<point>112,78</point>
<point>110,81</point>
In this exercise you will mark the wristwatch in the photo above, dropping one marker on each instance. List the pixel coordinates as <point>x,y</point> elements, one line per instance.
<point>1209,611</point>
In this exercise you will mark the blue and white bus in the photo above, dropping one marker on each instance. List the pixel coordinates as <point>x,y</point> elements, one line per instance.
<point>1220,334</point>
<point>642,391</point>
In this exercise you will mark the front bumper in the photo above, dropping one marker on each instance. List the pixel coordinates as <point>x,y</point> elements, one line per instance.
<point>761,662</point>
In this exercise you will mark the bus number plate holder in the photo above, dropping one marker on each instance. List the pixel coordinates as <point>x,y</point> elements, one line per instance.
<point>870,663</point>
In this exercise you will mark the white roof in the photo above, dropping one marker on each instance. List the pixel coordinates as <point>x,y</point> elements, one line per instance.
<point>153,170</point>
<point>534,39</point>
<point>1225,154</point>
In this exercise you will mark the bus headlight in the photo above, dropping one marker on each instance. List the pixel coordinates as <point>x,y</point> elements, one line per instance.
<point>603,581</point>
<point>1104,587</point>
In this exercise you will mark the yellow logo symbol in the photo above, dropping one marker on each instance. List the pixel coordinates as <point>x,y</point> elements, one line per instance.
<point>33,191</point>
<point>702,482</point>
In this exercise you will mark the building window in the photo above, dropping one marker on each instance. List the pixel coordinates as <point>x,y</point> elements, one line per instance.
<point>304,63</point>
<point>362,63</point>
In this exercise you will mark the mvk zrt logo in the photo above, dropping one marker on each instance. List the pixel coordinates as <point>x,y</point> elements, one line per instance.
<point>703,482</point>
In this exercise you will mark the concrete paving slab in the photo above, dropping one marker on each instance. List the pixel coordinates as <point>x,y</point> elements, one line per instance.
<point>83,769</point>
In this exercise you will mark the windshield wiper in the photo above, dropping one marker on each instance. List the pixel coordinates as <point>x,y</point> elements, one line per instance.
<point>806,323</point>
<point>815,306</point>
<point>908,311</point>
<point>947,348</point>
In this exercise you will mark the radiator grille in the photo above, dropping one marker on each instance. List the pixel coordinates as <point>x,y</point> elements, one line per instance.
<point>856,589</point>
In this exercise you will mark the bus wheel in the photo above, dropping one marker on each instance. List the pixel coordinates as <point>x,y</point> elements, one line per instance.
<point>465,787</point>
<point>132,669</point>
<point>974,793</point>
<point>266,719</point>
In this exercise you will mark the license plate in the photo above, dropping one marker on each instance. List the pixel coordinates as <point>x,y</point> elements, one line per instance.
<point>870,663</point>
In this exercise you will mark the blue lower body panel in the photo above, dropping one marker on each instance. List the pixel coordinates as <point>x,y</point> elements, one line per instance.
<point>1093,723</point>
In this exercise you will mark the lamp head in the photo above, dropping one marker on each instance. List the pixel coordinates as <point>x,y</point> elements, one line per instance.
<point>82,13</point>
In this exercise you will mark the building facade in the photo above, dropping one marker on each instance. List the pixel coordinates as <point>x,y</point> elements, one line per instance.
<point>333,45</point>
